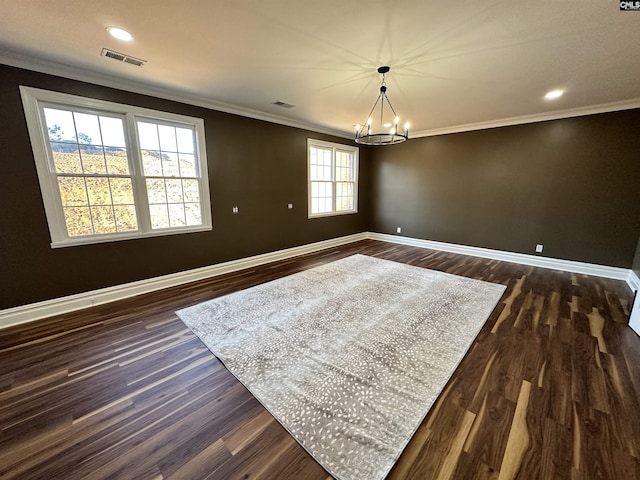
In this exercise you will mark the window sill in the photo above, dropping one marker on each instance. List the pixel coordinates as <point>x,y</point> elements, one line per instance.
<point>331,214</point>
<point>126,236</point>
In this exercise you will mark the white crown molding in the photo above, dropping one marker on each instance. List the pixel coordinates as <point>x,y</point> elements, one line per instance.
<point>75,73</point>
<point>521,258</point>
<point>57,306</point>
<point>537,117</point>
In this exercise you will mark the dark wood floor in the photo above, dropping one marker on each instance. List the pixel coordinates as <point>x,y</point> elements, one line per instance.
<point>549,390</point>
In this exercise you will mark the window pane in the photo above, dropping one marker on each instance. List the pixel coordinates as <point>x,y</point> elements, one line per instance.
<point>60,125</point>
<point>186,140</point>
<point>159,216</point>
<point>92,157</point>
<point>112,131</point>
<point>152,163</point>
<point>66,157</point>
<point>126,218</point>
<point>148,136</point>
<point>174,191</point>
<point>191,190</point>
<point>170,165</point>
<point>72,191</point>
<point>156,191</point>
<point>192,213</point>
<point>321,156</point>
<point>103,220</point>
<point>187,165</point>
<point>343,159</point>
<point>87,128</point>
<point>99,192</point>
<point>344,204</point>
<point>116,160</point>
<point>344,189</point>
<point>167,138</point>
<point>176,215</point>
<point>121,191</point>
<point>78,221</point>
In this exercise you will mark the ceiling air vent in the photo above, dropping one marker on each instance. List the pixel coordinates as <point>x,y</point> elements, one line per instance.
<point>283,104</point>
<point>121,57</point>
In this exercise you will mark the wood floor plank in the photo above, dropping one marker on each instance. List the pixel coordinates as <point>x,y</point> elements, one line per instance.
<point>518,440</point>
<point>550,388</point>
<point>202,463</point>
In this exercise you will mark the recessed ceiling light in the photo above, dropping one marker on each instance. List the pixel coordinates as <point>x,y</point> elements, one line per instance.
<point>553,94</point>
<point>120,34</point>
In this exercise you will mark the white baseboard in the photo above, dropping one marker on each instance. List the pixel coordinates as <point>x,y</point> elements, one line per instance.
<point>57,306</point>
<point>633,281</point>
<point>545,262</point>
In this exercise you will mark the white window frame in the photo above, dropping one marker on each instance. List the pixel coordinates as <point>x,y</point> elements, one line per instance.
<point>34,100</point>
<point>334,147</point>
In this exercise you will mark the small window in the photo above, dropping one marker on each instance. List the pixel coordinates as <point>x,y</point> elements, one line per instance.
<point>333,178</point>
<point>111,172</point>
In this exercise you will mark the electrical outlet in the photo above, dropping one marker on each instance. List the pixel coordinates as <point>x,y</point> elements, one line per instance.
<point>539,248</point>
<point>290,206</point>
<point>235,210</point>
<point>398,230</point>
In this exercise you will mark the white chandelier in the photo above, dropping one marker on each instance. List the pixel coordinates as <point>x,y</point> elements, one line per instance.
<point>386,132</point>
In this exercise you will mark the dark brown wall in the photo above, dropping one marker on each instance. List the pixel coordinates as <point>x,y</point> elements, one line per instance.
<point>569,184</point>
<point>258,166</point>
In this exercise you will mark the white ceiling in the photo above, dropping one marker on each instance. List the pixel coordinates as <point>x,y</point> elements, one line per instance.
<point>454,65</point>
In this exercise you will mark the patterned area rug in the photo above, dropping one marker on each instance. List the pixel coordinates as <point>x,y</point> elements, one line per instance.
<point>349,356</point>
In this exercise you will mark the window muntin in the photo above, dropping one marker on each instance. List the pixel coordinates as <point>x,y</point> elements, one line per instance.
<point>333,187</point>
<point>109,171</point>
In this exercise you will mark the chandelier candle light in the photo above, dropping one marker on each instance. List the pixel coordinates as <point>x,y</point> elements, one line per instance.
<point>388,132</point>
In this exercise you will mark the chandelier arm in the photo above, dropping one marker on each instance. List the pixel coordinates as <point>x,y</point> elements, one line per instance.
<point>392,109</point>
<point>374,106</point>
<point>372,109</point>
